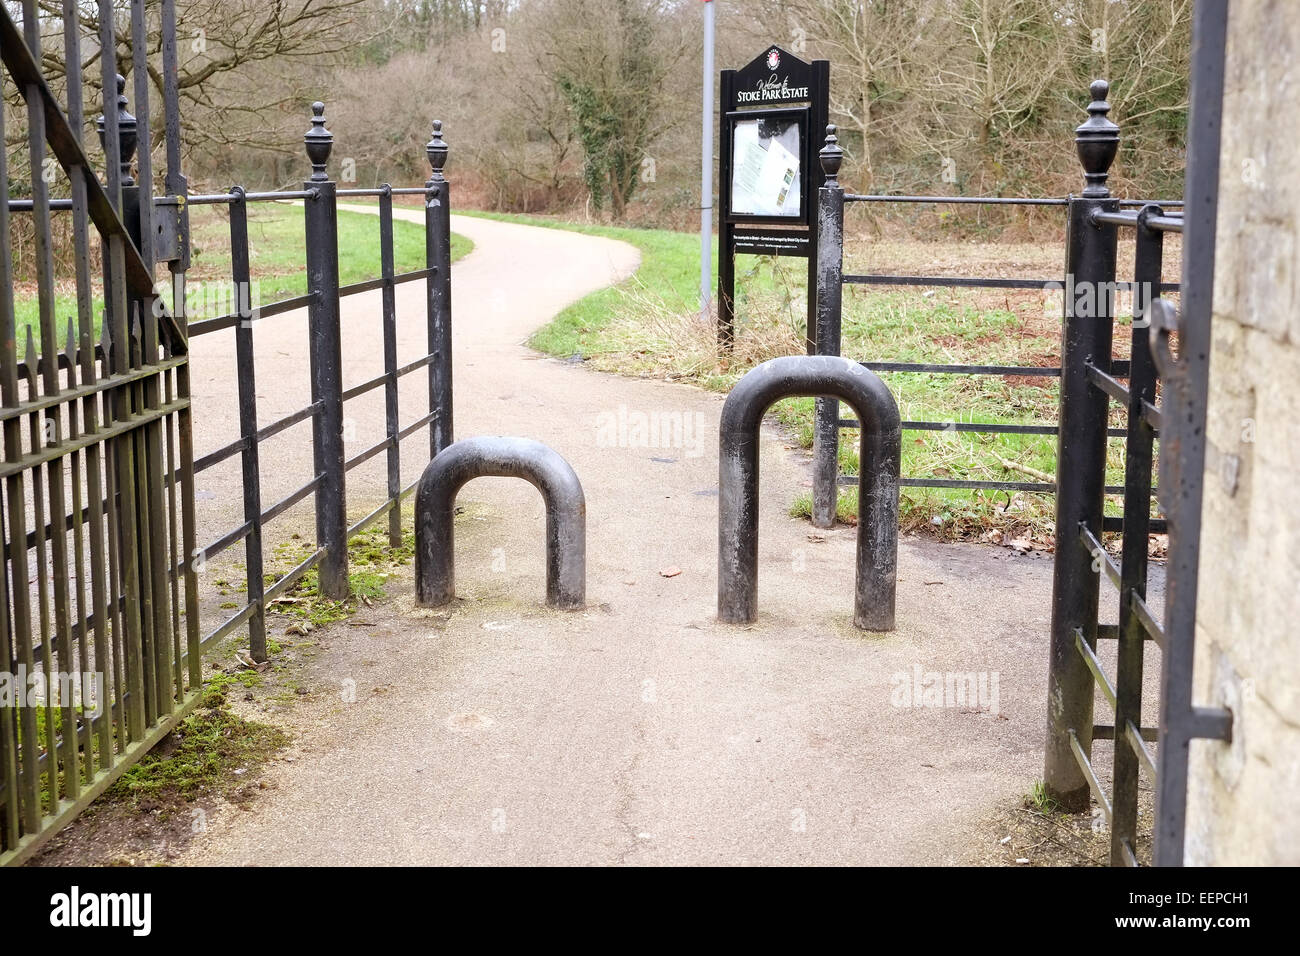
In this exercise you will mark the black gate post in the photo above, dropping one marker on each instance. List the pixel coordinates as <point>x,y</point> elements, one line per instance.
<point>325,350</point>
<point>829,290</point>
<point>1081,458</point>
<point>818,121</point>
<point>251,464</point>
<point>437,226</point>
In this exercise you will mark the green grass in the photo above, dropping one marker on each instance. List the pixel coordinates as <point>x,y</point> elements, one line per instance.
<point>649,326</point>
<point>670,269</point>
<point>1038,799</point>
<point>277,257</point>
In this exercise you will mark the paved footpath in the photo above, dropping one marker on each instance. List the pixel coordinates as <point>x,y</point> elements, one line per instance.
<point>639,731</point>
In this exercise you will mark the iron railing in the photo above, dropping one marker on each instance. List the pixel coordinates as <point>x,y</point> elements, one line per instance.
<point>327,484</point>
<point>1090,378</point>
<point>98,503</point>
<point>827,338</point>
<point>113,571</point>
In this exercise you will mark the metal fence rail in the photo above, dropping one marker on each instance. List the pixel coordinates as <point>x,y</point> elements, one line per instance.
<point>327,485</point>
<point>831,275</point>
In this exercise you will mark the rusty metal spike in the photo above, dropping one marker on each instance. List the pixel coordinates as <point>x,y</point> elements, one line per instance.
<point>135,351</point>
<point>106,344</point>
<point>70,353</point>
<point>32,358</point>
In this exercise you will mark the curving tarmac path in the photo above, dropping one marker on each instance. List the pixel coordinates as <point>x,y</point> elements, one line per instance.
<point>638,731</point>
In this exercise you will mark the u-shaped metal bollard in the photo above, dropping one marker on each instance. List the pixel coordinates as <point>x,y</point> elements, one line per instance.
<point>566,515</point>
<point>877,558</point>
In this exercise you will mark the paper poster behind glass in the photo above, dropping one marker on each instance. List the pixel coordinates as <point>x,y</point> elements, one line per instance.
<point>765,167</point>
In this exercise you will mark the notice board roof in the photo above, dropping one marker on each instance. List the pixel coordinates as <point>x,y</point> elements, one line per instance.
<point>773,78</point>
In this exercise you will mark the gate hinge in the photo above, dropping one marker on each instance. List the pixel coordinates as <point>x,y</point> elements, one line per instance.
<point>170,241</point>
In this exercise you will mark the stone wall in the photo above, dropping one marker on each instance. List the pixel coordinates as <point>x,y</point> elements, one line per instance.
<point>1244,797</point>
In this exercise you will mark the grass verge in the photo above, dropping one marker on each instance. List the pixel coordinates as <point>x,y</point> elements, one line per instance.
<point>277,258</point>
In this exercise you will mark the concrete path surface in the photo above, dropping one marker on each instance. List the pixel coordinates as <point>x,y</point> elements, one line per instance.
<point>639,730</point>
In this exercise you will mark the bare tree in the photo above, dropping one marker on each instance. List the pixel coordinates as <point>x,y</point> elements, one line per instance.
<point>237,58</point>
<point>610,60</point>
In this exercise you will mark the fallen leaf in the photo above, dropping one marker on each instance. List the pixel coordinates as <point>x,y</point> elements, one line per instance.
<point>670,572</point>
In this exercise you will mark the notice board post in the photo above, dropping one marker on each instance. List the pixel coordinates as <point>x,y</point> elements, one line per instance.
<point>772,115</point>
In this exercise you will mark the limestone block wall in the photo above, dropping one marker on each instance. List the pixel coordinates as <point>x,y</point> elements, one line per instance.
<point>1244,797</point>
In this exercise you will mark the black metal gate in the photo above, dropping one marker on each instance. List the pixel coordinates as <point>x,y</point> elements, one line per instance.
<point>1163,396</point>
<point>1090,381</point>
<point>100,602</point>
<point>99,623</point>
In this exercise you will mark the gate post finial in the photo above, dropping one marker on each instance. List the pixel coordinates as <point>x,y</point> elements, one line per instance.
<point>437,150</point>
<point>831,156</point>
<point>1097,140</point>
<point>320,142</point>
<point>126,133</point>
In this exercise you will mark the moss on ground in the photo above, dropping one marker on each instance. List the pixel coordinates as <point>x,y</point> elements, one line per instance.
<point>209,754</point>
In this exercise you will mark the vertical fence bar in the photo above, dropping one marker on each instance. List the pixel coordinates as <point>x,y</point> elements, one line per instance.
<point>124,615</point>
<point>50,432</point>
<point>88,375</point>
<point>116,609</point>
<point>1182,444</point>
<point>245,358</point>
<point>391,424</point>
<point>437,220</point>
<point>81,359</point>
<point>21,793</point>
<point>129,453</point>
<point>10,829</point>
<point>117,136</point>
<point>829,295</point>
<point>1081,457</point>
<point>78,580</point>
<point>151,438</point>
<point>1131,643</point>
<point>142,526</point>
<point>326,360</point>
<point>39,529</point>
<point>176,185</point>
